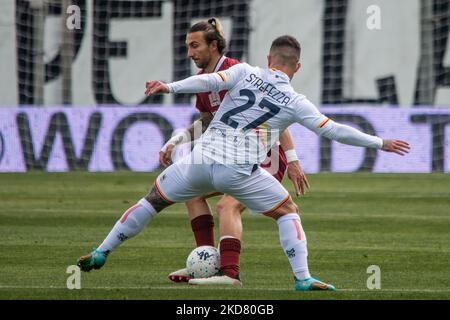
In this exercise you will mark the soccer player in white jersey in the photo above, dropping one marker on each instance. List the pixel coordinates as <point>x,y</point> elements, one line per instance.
<point>257,99</point>
<point>206,46</point>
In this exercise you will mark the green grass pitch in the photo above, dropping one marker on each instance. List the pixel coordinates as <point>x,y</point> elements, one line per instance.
<point>400,223</point>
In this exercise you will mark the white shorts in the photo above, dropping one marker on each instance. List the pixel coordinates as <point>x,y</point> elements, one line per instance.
<point>260,192</point>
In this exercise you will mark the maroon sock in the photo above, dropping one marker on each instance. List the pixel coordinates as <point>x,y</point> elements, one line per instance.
<point>203,228</point>
<point>230,251</point>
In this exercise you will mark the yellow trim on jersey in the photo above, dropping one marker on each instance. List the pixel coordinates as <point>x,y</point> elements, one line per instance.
<point>278,205</point>
<point>158,188</point>
<point>222,75</point>
<point>323,123</point>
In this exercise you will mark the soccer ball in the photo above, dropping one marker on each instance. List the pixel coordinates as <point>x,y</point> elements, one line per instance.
<point>203,262</point>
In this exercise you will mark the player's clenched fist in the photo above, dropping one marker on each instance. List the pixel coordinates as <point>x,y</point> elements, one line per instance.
<point>154,87</point>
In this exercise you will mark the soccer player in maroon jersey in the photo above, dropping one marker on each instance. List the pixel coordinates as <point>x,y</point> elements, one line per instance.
<point>206,47</point>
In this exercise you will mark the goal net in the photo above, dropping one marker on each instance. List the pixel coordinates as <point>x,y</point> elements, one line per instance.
<point>72,85</point>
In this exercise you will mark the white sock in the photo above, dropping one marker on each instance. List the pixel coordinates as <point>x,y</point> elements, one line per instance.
<point>293,241</point>
<point>129,225</point>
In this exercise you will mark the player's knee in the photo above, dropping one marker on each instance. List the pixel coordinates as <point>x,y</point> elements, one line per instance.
<point>228,207</point>
<point>195,201</point>
<point>157,202</point>
<point>220,209</point>
<point>197,206</point>
<point>289,207</point>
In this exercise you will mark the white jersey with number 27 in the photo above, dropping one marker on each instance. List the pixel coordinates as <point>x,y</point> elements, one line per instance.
<point>260,104</point>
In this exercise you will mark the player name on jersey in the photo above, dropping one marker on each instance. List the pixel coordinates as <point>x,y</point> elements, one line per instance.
<point>268,88</point>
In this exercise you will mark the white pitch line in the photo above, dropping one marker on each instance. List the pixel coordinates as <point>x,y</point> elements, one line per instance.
<point>76,211</point>
<point>186,287</point>
<point>325,215</point>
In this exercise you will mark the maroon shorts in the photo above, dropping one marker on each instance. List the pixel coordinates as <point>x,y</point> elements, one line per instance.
<point>276,162</point>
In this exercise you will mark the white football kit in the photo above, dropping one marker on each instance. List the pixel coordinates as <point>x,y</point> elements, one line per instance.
<point>260,103</point>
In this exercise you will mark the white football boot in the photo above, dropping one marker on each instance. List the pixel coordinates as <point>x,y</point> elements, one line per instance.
<point>180,276</point>
<point>216,280</point>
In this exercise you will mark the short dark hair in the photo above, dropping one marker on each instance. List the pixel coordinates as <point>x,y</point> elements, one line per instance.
<point>286,50</point>
<point>213,30</point>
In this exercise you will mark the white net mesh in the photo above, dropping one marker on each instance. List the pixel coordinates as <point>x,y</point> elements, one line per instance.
<point>83,54</point>
<point>362,59</point>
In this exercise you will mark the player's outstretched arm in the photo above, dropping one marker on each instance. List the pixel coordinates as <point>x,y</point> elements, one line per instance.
<point>195,84</point>
<point>309,116</point>
<point>351,136</point>
<point>397,146</point>
<point>215,82</point>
